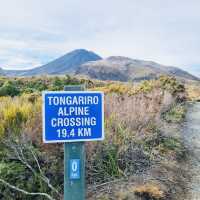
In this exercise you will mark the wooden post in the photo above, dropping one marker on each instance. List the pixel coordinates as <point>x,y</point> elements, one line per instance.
<point>74,189</point>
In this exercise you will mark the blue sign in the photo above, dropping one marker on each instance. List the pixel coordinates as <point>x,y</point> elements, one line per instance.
<point>74,169</point>
<point>73,116</point>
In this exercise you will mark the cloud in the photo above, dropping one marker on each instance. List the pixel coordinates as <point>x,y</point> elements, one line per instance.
<point>34,32</point>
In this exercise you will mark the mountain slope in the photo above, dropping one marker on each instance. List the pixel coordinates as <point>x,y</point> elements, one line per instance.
<point>2,73</point>
<point>127,69</point>
<point>65,64</point>
<point>118,68</point>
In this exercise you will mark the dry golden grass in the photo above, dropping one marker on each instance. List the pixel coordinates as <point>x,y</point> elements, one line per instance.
<point>150,191</point>
<point>193,92</point>
<point>164,82</point>
<point>137,111</point>
<point>14,112</point>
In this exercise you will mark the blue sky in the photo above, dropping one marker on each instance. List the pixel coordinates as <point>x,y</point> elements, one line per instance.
<point>33,32</point>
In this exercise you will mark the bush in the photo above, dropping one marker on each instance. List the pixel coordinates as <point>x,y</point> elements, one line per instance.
<point>9,89</point>
<point>26,167</point>
<point>167,83</point>
<point>14,114</point>
<point>175,114</point>
<point>171,84</point>
<point>14,173</point>
<point>150,191</point>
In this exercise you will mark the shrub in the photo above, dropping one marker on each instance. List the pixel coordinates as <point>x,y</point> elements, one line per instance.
<point>146,86</point>
<point>9,89</point>
<point>57,84</point>
<point>27,167</point>
<point>171,84</point>
<point>175,114</point>
<point>163,82</point>
<point>150,191</point>
<point>103,166</point>
<point>13,114</point>
<point>174,147</point>
<point>12,172</point>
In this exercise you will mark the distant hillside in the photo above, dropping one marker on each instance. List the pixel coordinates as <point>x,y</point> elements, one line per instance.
<point>15,72</point>
<point>68,63</point>
<point>2,73</point>
<point>127,69</point>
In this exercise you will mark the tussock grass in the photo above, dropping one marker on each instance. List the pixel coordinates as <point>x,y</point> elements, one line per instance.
<point>150,191</point>
<point>13,114</point>
<point>175,114</point>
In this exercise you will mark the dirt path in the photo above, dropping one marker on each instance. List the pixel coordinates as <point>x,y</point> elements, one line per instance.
<point>191,131</point>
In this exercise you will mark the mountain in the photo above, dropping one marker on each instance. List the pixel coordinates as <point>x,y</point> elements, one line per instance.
<point>127,69</point>
<point>68,63</point>
<point>2,73</point>
<point>118,68</point>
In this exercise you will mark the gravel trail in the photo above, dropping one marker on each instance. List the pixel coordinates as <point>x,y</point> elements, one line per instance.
<point>191,131</point>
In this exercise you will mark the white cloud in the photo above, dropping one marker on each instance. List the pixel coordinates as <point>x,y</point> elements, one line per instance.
<point>163,31</point>
<point>24,62</point>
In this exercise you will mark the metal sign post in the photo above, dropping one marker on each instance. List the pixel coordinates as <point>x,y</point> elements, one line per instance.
<point>74,165</point>
<point>73,116</point>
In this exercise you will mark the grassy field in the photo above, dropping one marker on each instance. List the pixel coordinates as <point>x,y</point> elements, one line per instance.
<point>136,160</point>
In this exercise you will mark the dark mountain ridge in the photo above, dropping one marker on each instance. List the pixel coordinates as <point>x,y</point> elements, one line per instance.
<point>118,68</point>
<point>65,64</point>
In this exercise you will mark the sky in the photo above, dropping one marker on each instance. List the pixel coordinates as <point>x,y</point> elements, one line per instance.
<point>34,32</point>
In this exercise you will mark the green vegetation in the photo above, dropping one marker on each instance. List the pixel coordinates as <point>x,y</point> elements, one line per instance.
<point>9,89</point>
<point>13,114</point>
<point>134,144</point>
<point>164,82</point>
<point>20,86</point>
<point>171,84</point>
<point>175,114</point>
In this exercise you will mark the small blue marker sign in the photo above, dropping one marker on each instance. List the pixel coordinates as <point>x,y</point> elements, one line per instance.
<point>74,169</point>
<point>70,116</point>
